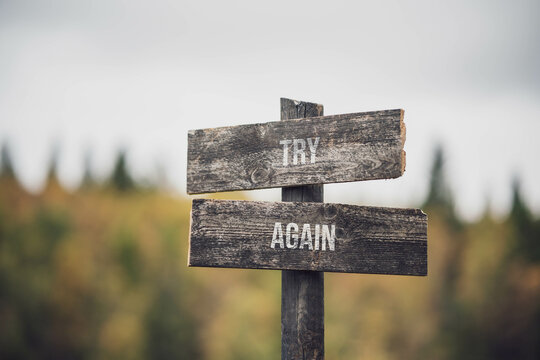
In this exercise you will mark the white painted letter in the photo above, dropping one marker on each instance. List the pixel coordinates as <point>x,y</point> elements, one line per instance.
<point>285,144</point>
<point>317,233</point>
<point>294,236</point>
<point>313,148</point>
<point>299,146</point>
<point>330,237</point>
<point>275,238</point>
<point>306,237</point>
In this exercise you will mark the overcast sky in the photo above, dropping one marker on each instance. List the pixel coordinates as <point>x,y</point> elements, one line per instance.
<point>102,75</point>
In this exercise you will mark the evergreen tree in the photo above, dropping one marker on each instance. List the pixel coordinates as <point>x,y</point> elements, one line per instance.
<point>53,185</point>
<point>439,195</point>
<point>6,170</point>
<point>520,213</point>
<point>52,172</point>
<point>455,325</point>
<point>525,228</point>
<point>87,179</point>
<point>121,180</point>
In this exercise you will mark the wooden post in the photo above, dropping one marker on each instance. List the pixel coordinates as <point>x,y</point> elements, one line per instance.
<point>302,292</point>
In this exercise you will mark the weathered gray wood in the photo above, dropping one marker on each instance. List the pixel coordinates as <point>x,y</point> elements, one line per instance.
<point>351,147</point>
<point>302,292</point>
<point>302,315</point>
<point>238,234</point>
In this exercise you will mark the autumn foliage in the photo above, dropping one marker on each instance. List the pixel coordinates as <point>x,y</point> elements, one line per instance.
<point>101,273</point>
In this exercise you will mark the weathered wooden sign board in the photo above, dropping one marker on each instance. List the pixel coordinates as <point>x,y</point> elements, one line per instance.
<point>317,150</point>
<point>302,236</point>
<point>308,236</point>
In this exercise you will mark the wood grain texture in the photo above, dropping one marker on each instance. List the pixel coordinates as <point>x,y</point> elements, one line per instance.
<point>302,292</point>
<point>374,240</point>
<point>352,147</point>
<point>302,315</point>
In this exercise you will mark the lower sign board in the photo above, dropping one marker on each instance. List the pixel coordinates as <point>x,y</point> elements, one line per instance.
<point>308,236</point>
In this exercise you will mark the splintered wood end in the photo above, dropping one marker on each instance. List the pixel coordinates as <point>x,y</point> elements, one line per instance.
<point>403,138</point>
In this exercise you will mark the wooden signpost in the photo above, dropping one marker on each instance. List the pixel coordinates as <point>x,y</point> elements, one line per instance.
<point>301,235</point>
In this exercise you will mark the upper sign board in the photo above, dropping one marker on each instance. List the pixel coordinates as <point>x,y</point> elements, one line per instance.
<point>308,236</point>
<point>318,150</point>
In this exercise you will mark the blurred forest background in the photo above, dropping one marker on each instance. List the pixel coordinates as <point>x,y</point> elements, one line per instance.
<point>100,273</point>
